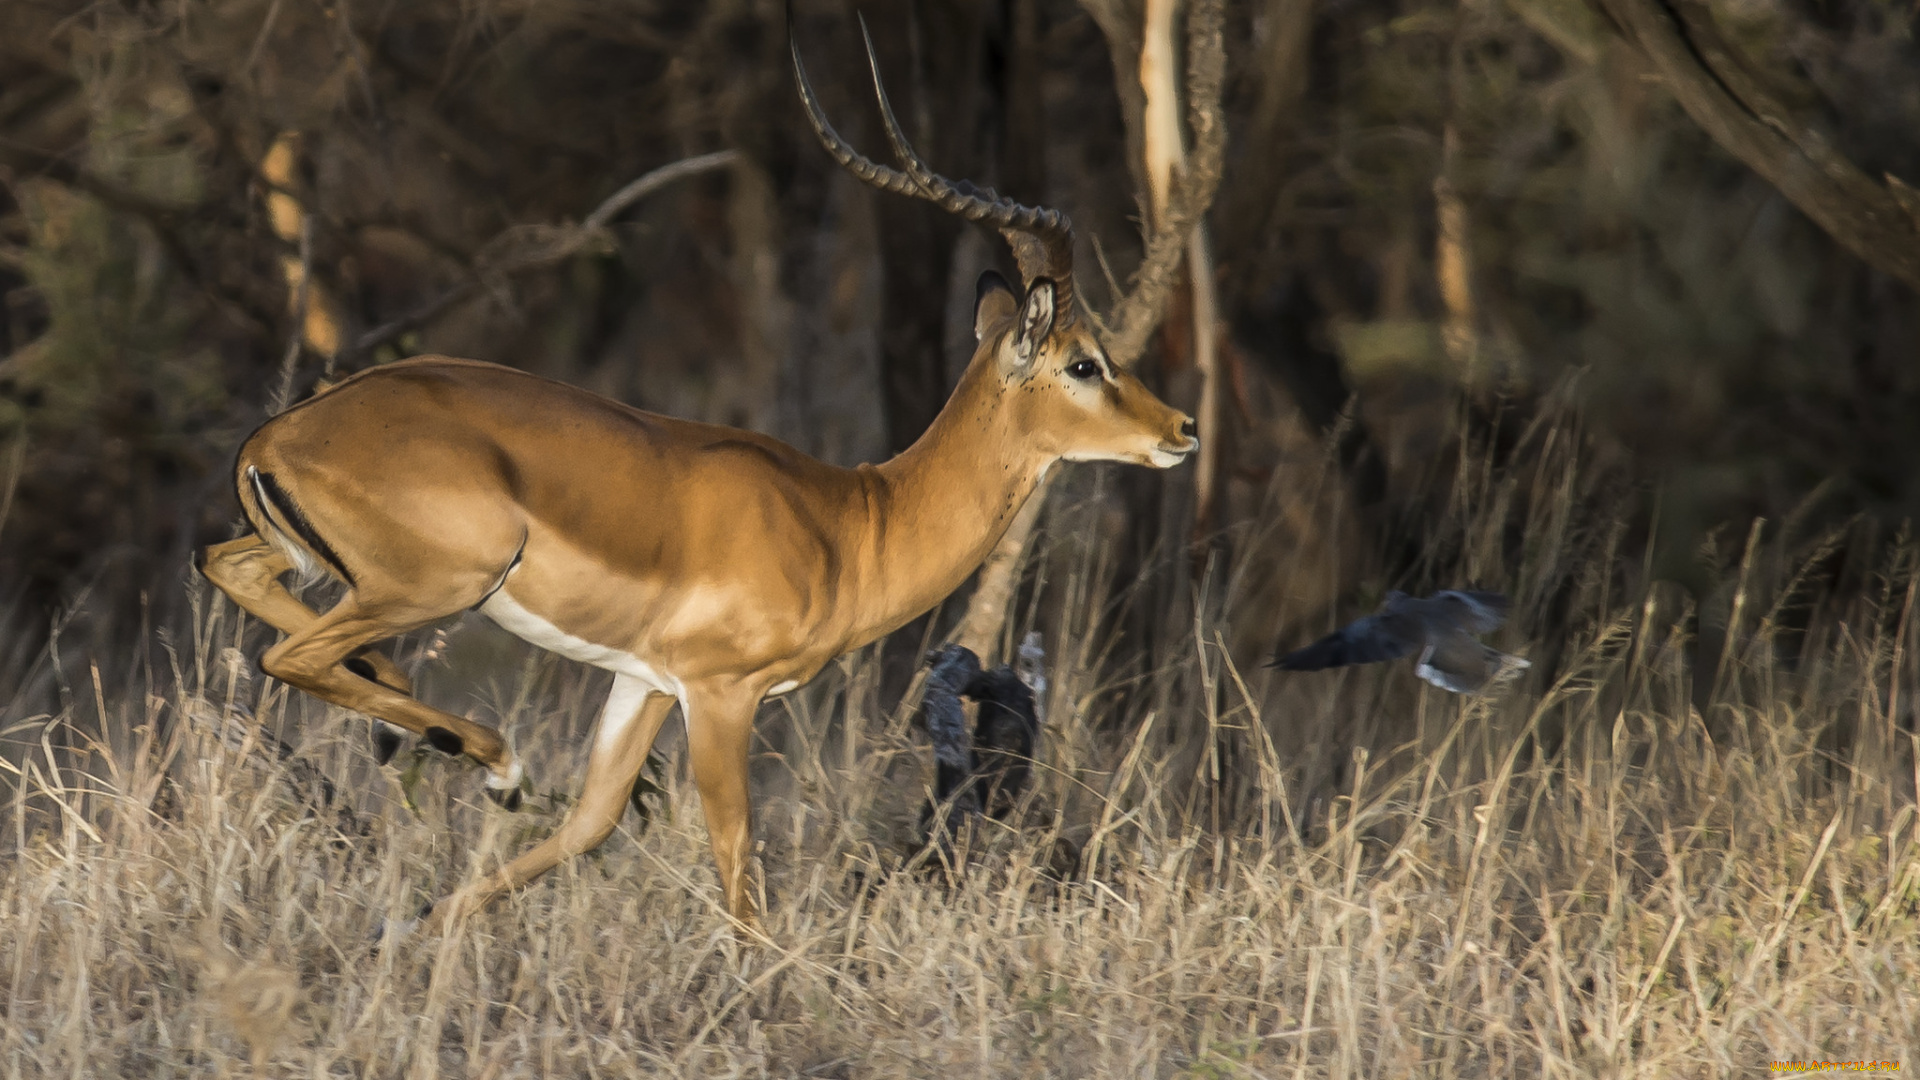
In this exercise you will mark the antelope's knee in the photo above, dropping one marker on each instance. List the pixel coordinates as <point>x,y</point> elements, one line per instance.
<point>293,666</point>
<point>247,566</point>
<point>582,836</point>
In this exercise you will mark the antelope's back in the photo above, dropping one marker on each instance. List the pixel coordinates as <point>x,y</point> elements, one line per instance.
<point>434,439</point>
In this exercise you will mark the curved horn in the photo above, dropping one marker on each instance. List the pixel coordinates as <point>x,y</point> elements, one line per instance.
<point>843,152</point>
<point>1041,237</point>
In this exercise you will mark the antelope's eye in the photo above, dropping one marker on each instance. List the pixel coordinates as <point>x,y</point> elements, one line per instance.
<point>1084,369</point>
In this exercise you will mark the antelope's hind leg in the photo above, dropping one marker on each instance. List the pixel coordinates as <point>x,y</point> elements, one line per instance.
<point>628,724</point>
<point>324,657</point>
<point>248,570</point>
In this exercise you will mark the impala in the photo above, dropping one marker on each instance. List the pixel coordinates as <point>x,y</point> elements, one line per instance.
<point>700,564</point>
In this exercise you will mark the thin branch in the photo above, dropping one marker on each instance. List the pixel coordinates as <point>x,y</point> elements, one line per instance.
<point>654,181</point>
<point>419,316</point>
<point>1206,358</point>
<point>530,247</point>
<point>301,297</point>
<point>260,39</point>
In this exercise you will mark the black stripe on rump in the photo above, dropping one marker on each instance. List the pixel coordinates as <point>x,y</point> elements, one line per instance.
<point>502,583</point>
<point>278,500</point>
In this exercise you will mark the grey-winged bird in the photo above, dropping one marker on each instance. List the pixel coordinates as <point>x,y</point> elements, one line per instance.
<point>1441,629</point>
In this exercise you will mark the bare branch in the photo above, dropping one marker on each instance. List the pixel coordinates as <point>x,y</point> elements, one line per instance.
<point>646,185</point>
<point>1710,82</point>
<point>15,469</point>
<point>530,247</point>
<point>302,298</point>
<point>1206,358</point>
<point>315,314</point>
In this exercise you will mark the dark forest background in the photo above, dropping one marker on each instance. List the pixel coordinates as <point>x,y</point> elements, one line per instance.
<point>1677,229</point>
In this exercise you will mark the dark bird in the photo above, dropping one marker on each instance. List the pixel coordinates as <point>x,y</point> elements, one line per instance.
<point>954,669</point>
<point>985,770</point>
<point>1442,629</point>
<point>1003,737</point>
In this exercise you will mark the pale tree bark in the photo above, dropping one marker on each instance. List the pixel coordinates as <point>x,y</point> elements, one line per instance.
<point>1453,262</point>
<point>1453,266</point>
<point>1163,146</point>
<point>315,313</point>
<point>1165,152</point>
<point>1206,357</point>
<point>1137,315</point>
<point>1184,197</point>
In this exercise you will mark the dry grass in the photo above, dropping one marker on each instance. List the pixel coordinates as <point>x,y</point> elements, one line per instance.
<point>1585,876</point>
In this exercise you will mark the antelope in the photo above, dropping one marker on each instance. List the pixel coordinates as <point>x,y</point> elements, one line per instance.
<point>700,564</point>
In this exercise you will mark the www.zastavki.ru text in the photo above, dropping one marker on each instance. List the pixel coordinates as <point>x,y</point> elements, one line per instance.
<point>1834,1066</point>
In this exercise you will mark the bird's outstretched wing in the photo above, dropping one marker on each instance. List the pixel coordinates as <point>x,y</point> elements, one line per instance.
<point>1474,612</point>
<point>1441,628</point>
<point>1387,635</point>
<point>947,727</point>
<point>953,668</point>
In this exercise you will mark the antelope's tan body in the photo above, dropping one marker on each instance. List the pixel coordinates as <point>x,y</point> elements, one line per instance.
<point>695,550</point>
<point>700,564</point>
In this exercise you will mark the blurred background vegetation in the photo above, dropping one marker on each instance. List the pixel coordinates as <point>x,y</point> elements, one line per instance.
<point>1440,221</point>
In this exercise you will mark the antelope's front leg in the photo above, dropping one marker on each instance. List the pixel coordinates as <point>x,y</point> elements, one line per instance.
<point>628,724</point>
<point>719,732</point>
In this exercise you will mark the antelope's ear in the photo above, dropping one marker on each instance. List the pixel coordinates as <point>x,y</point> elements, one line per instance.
<point>992,301</point>
<point>1036,320</point>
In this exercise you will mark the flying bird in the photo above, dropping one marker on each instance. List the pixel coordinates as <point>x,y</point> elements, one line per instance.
<point>1442,629</point>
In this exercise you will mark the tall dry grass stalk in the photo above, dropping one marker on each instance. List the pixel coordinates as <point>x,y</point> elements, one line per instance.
<point>1346,875</point>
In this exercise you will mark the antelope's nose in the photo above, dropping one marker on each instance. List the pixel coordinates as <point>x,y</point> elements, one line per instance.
<point>1190,429</point>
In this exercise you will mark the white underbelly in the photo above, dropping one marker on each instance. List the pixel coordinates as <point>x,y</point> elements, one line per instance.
<point>525,625</point>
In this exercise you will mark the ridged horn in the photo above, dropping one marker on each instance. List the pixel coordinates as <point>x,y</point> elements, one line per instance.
<point>1041,237</point>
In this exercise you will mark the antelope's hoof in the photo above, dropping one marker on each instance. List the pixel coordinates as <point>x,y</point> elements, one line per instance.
<point>386,743</point>
<point>507,799</point>
<point>446,741</point>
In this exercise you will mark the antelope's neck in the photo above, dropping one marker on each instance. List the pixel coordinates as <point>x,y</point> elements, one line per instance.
<point>937,509</point>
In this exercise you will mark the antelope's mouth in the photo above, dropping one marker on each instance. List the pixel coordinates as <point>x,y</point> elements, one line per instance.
<point>1167,455</point>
